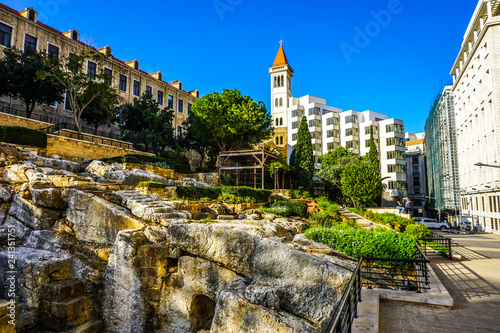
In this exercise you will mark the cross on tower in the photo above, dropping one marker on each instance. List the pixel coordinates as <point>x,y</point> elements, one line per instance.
<point>281,42</point>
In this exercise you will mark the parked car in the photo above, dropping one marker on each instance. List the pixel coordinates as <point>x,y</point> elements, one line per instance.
<point>465,225</point>
<point>432,223</point>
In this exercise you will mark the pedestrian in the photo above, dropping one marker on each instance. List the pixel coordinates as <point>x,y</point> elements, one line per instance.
<point>400,207</point>
<point>407,203</point>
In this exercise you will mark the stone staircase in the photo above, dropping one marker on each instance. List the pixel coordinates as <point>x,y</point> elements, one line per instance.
<point>147,208</point>
<point>66,308</point>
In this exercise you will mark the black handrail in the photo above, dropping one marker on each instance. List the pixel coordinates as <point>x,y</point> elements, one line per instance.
<point>347,309</point>
<point>22,113</point>
<point>440,240</point>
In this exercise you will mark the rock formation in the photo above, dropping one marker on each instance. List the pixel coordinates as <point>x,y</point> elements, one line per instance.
<point>94,255</point>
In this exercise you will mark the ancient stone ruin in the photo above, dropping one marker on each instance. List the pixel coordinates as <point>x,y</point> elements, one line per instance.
<point>93,254</point>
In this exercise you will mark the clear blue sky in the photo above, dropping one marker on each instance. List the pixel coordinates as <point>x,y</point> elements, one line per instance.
<point>398,71</point>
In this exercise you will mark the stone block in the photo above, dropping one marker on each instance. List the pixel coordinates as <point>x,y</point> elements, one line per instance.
<point>32,215</point>
<point>59,291</point>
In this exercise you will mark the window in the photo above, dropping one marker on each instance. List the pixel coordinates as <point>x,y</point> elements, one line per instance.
<point>332,145</point>
<point>367,129</point>
<point>277,122</point>
<point>395,128</point>
<point>294,114</point>
<point>53,51</point>
<point>352,145</point>
<point>281,140</point>
<point>351,119</point>
<point>294,125</point>
<point>294,137</point>
<point>395,142</point>
<point>281,101</point>
<point>276,102</point>
<point>179,132</point>
<point>332,133</point>
<point>91,69</point>
<point>180,106</point>
<point>281,121</point>
<point>170,102</point>
<point>159,99</point>
<point>189,108</point>
<point>351,131</point>
<point>5,34</point>
<point>29,42</point>
<point>123,83</point>
<point>332,121</point>
<point>311,122</point>
<point>392,155</point>
<point>399,168</point>
<point>149,90</point>
<point>316,111</point>
<point>108,76</point>
<point>137,88</point>
<point>67,103</point>
<point>277,139</point>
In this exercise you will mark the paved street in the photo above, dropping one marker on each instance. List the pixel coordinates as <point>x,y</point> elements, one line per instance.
<point>474,284</point>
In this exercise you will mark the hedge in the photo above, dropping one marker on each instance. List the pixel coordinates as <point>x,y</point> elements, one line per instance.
<point>196,192</point>
<point>23,136</point>
<point>151,185</point>
<point>147,159</point>
<point>245,191</point>
<point>287,208</point>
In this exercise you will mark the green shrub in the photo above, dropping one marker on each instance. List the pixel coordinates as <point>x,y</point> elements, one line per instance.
<point>198,192</point>
<point>280,211</point>
<point>151,185</point>
<point>395,221</point>
<point>358,242</point>
<point>291,208</point>
<point>244,191</point>
<point>23,136</point>
<point>233,199</point>
<point>418,231</point>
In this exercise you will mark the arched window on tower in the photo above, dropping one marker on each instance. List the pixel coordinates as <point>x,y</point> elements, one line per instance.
<point>281,121</point>
<point>282,80</point>
<point>289,83</point>
<point>277,122</point>
<point>275,82</point>
<point>277,141</point>
<point>276,102</point>
<point>281,101</point>
<point>279,81</point>
<point>281,140</point>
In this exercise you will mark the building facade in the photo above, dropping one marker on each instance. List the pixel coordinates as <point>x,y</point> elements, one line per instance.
<point>331,127</point>
<point>416,174</point>
<point>22,30</point>
<point>442,162</point>
<point>476,88</point>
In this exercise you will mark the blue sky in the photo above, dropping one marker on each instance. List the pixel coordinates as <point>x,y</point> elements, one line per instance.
<point>397,68</point>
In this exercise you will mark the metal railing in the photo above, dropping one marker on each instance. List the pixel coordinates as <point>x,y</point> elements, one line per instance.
<point>403,274</point>
<point>85,130</point>
<point>22,113</point>
<point>110,140</point>
<point>347,309</point>
<point>439,243</point>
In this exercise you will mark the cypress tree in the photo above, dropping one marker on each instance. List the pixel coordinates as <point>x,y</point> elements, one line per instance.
<point>373,153</point>
<point>304,159</point>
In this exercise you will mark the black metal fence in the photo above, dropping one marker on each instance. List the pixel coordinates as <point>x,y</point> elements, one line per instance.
<point>438,243</point>
<point>347,310</point>
<point>86,130</point>
<point>22,113</point>
<point>399,274</point>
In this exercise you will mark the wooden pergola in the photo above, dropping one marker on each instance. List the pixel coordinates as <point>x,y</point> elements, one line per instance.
<point>249,163</point>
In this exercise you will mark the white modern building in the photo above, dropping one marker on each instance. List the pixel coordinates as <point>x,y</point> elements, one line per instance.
<point>476,87</point>
<point>332,127</point>
<point>416,174</point>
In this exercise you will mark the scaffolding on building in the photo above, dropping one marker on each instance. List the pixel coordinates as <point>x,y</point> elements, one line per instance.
<point>441,148</point>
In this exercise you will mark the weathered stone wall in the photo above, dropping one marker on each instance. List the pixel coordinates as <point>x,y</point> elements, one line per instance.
<point>11,120</point>
<point>167,173</point>
<point>57,145</point>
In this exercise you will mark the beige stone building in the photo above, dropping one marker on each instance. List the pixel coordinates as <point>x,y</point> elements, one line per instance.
<point>22,30</point>
<point>476,87</point>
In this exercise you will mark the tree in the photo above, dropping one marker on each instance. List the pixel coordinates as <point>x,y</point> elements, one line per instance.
<point>361,183</point>
<point>303,161</point>
<point>147,126</point>
<point>20,78</point>
<point>82,88</point>
<point>373,152</point>
<point>228,121</point>
<point>102,109</point>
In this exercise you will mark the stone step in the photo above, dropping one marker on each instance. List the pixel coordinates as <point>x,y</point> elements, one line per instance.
<point>94,326</point>
<point>58,291</point>
<point>72,312</point>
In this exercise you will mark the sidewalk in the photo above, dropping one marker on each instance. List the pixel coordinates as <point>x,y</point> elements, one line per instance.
<point>474,284</point>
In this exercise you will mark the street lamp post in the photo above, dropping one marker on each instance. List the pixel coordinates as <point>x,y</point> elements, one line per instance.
<point>480,164</point>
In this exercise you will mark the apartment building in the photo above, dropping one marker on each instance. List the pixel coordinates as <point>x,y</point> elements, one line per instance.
<point>331,127</point>
<point>23,30</point>
<point>416,173</point>
<point>476,89</point>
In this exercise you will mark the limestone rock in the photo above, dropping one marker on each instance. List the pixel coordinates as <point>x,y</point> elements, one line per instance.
<point>100,168</point>
<point>47,197</point>
<point>56,163</point>
<point>37,178</point>
<point>156,234</point>
<point>32,215</point>
<point>13,227</point>
<point>124,305</point>
<point>16,173</point>
<point>34,268</point>
<point>6,194</point>
<point>234,313</point>
<point>264,295</point>
<point>97,220</point>
<point>134,177</point>
<point>43,240</point>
